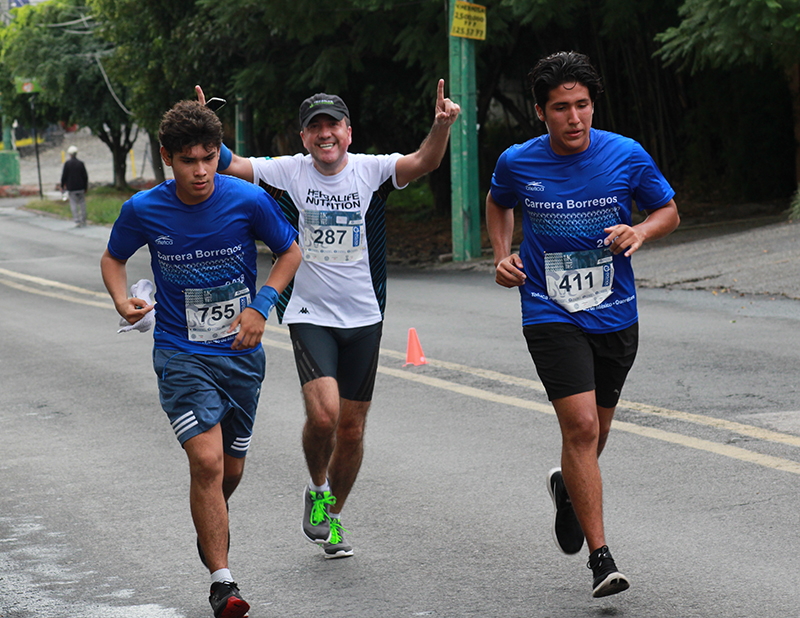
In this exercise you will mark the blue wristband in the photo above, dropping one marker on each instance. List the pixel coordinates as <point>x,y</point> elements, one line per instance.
<point>225,158</point>
<point>265,300</point>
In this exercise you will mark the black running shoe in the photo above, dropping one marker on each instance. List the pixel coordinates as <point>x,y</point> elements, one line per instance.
<point>607,579</point>
<point>200,548</point>
<point>567,531</point>
<point>227,601</point>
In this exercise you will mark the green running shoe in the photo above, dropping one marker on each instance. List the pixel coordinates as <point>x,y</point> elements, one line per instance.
<point>337,547</point>
<point>316,527</point>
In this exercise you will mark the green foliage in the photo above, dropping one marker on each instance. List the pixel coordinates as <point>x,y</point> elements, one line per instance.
<point>794,206</point>
<point>718,33</point>
<point>55,42</point>
<point>733,152</point>
<point>414,203</point>
<point>385,56</point>
<point>151,41</point>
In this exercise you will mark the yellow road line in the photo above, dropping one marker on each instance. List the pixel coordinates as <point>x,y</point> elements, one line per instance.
<point>726,450</point>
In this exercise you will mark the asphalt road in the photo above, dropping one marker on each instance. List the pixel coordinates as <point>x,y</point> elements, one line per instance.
<point>450,516</point>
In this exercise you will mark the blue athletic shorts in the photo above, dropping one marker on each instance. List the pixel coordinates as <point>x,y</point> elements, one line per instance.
<point>200,391</point>
<point>350,355</point>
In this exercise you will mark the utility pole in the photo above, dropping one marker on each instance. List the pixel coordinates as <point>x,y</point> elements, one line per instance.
<point>467,23</point>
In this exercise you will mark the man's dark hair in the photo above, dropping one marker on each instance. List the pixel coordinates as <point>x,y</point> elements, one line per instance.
<point>188,124</point>
<point>563,68</point>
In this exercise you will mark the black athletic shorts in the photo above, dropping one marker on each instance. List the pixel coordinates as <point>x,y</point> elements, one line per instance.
<point>570,361</point>
<point>350,355</point>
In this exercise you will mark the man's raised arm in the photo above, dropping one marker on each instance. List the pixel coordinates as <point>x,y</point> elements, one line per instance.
<point>431,151</point>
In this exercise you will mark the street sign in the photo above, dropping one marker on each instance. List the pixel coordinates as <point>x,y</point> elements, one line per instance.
<point>469,21</point>
<point>27,85</point>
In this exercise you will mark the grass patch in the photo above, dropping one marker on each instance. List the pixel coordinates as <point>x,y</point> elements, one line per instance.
<point>102,205</point>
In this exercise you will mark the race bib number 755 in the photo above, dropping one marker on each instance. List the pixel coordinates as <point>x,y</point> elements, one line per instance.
<point>211,311</point>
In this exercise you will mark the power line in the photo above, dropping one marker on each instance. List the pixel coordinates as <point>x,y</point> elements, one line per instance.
<point>110,88</point>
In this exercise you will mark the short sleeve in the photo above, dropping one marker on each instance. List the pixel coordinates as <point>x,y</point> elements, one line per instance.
<point>126,234</point>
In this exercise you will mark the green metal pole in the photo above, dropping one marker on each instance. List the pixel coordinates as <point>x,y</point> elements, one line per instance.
<point>242,128</point>
<point>464,150</point>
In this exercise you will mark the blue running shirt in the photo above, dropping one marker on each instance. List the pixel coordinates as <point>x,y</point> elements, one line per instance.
<point>203,257</point>
<point>566,202</point>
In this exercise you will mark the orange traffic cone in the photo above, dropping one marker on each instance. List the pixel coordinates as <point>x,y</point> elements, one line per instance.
<point>414,355</point>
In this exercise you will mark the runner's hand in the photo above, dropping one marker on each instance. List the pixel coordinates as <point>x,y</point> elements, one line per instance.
<point>509,272</point>
<point>623,238</point>
<point>251,324</point>
<point>446,110</point>
<point>134,309</point>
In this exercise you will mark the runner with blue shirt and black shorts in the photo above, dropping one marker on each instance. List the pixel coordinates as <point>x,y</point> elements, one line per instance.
<point>576,187</point>
<point>201,230</point>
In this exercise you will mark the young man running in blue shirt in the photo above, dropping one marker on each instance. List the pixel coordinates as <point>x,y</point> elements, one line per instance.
<point>576,186</point>
<point>201,230</point>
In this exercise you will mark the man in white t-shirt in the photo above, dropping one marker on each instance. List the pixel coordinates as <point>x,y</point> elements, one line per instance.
<point>335,305</point>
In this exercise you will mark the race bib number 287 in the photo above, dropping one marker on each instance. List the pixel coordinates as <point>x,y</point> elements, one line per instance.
<point>333,236</point>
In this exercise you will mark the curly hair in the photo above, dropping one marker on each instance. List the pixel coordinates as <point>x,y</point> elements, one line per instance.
<point>563,68</point>
<point>188,124</point>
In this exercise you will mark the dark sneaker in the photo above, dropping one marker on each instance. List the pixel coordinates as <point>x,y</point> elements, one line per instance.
<point>567,531</point>
<point>227,601</point>
<point>337,547</point>
<point>316,525</point>
<point>607,579</point>
<point>200,549</point>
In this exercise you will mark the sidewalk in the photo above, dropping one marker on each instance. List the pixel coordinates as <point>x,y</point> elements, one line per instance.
<point>94,154</point>
<point>759,260</point>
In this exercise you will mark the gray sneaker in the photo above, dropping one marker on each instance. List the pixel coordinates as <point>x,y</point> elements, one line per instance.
<point>316,526</point>
<point>337,547</point>
<point>567,531</point>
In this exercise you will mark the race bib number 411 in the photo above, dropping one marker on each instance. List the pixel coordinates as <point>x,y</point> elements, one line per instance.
<point>211,311</point>
<point>579,280</point>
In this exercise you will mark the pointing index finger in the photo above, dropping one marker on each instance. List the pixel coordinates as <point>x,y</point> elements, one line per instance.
<point>440,95</point>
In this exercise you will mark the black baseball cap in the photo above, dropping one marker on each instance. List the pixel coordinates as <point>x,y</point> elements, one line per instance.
<point>322,103</point>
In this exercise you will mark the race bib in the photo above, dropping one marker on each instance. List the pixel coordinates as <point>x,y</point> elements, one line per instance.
<point>333,236</point>
<point>579,280</point>
<point>211,311</point>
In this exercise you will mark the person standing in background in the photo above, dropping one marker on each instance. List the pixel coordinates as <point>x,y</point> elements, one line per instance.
<point>75,181</point>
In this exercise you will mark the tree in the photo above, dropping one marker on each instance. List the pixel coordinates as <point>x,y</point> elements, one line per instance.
<point>152,42</point>
<point>54,42</point>
<point>727,33</point>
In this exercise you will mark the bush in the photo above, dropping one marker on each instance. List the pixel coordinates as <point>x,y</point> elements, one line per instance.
<point>794,206</point>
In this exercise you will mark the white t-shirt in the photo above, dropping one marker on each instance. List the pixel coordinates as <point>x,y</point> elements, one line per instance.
<point>341,281</point>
